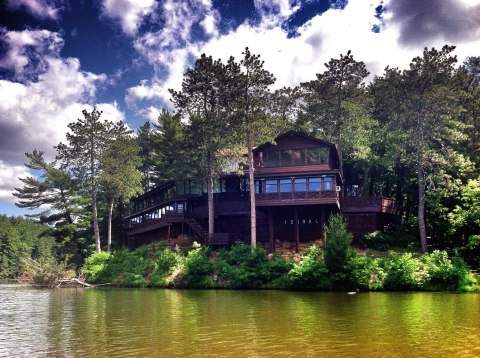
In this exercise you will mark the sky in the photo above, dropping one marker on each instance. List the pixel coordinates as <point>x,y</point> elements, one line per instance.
<point>58,57</point>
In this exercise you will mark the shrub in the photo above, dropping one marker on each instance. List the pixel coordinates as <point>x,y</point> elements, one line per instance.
<point>366,272</point>
<point>337,247</point>
<point>310,273</point>
<point>403,272</point>
<point>197,269</point>
<point>165,263</point>
<point>42,272</point>
<point>240,267</point>
<point>378,240</point>
<point>445,274</point>
<point>95,267</point>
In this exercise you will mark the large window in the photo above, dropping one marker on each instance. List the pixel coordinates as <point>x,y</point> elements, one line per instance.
<point>289,157</point>
<point>273,159</point>
<point>328,183</point>
<point>314,184</point>
<point>300,184</point>
<point>271,186</point>
<point>285,185</point>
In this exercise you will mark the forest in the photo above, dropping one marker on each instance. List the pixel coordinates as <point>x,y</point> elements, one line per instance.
<point>411,135</point>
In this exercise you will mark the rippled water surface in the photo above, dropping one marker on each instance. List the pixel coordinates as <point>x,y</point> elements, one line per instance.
<point>198,323</point>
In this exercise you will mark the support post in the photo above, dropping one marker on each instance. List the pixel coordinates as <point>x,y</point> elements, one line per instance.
<point>322,224</point>
<point>270,230</point>
<point>297,229</point>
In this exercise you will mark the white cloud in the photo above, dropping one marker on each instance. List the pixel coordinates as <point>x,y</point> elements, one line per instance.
<point>9,175</point>
<point>151,113</point>
<point>43,9</point>
<point>29,50</point>
<point>34,113</point>
<point>130,13</point>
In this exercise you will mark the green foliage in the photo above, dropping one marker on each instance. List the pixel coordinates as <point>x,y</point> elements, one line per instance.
<point>311,273</point>
<point>95,267</point>
<point>197,269</point>
<point>366,272</point>
<point>242,267</point>
<point>165,264</point>
<point>41,272</point>
<point>337,247</point>
<point>403,272</point>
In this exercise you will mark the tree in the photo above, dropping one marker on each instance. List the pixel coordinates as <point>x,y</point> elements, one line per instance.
<point>254,121</point>
<point>119,177</point>
<point>144,141</point>
<point>338,109</point>
<point>428,120</point>
<point>337,246</point>
<point>9,248</point>
<point>55,192</point>
<point>170,161</point>
<point>86,142</point>
<point>205,99</point>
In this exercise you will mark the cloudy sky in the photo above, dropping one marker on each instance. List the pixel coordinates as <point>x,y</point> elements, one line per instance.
<point>58,57</point>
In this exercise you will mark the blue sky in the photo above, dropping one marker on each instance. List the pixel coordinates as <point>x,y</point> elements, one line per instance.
<point>58,57</point>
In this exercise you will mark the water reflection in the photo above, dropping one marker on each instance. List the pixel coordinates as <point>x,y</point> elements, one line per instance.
<point>168,323</point>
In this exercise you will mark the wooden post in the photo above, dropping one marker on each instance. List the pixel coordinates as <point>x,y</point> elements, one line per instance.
<point>270,230</point>
<point>168,232</point>
<point>297,229</point>
<point>322,224</point>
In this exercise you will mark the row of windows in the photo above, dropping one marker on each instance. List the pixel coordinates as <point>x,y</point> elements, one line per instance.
<point>179,208</point>
<point>288,185</point>
<point>291,157</point>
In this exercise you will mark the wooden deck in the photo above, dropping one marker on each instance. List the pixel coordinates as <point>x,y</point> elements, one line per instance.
<point>370,205</point>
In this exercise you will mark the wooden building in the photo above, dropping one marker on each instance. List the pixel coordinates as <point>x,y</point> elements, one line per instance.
<point>298,184</point>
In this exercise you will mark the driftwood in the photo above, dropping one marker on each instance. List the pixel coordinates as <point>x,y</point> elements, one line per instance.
<point>75,282</point>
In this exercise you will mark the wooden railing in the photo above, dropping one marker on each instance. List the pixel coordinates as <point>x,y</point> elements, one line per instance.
<point>304,195</point>
<point>370,204</point>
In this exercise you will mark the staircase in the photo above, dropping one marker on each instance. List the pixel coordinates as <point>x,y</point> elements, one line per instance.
<point>197,229</point>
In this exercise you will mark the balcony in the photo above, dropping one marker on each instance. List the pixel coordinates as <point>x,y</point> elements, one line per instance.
<point>296,198</point>
<point>370,205</point>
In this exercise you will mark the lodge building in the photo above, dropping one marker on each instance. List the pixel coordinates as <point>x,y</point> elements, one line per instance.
<point>298,185</point>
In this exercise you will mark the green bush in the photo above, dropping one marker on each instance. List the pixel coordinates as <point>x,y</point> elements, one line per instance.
<point>165,264</point>
<point>197,269</point>
<point>337,246</point>
<point>378,240</point>
<point>403,272</point>
<point>240,267</point>
<point>445,274</point>
<point>366,272</point>
<point>310,273</point>
<point>95,267</point>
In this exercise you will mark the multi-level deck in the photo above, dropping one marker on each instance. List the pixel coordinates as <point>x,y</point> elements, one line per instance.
<point>298,184</point>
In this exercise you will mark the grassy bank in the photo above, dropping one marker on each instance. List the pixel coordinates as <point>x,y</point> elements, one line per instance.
<point>240,267</point>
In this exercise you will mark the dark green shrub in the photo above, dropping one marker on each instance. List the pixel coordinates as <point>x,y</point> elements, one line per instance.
<point>403,272</point>
<point>197,269</point>
<point>310,273</point>
<point>95,267</point>
<point>165,263</point>
<point>337,246</point>
<point>445,274</point>
<point>240,267</point>
<point>378,240</point>
<point>365,272</point>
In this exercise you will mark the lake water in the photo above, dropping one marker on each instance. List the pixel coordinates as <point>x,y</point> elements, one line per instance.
<point>209,323</point>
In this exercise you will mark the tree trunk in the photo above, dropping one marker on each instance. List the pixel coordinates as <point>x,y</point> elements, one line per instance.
<point>421,208</point>
<point>251,178</point>
<point>211,212</point>
<point>109,230</point>
<point>96,231</point>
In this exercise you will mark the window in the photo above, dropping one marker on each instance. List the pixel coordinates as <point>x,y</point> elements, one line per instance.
<point>313,156</point>
<point>300,184</point>
<point>323,155</point>
<point>314,184</point>
<point>287,159</point>
<point>258,187</point>
<point>285,185</point>
<point>271,186</point>
<point>327,183</point>
<point>180,208</point>
<point>298,156</point>
<point>273,159</point>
